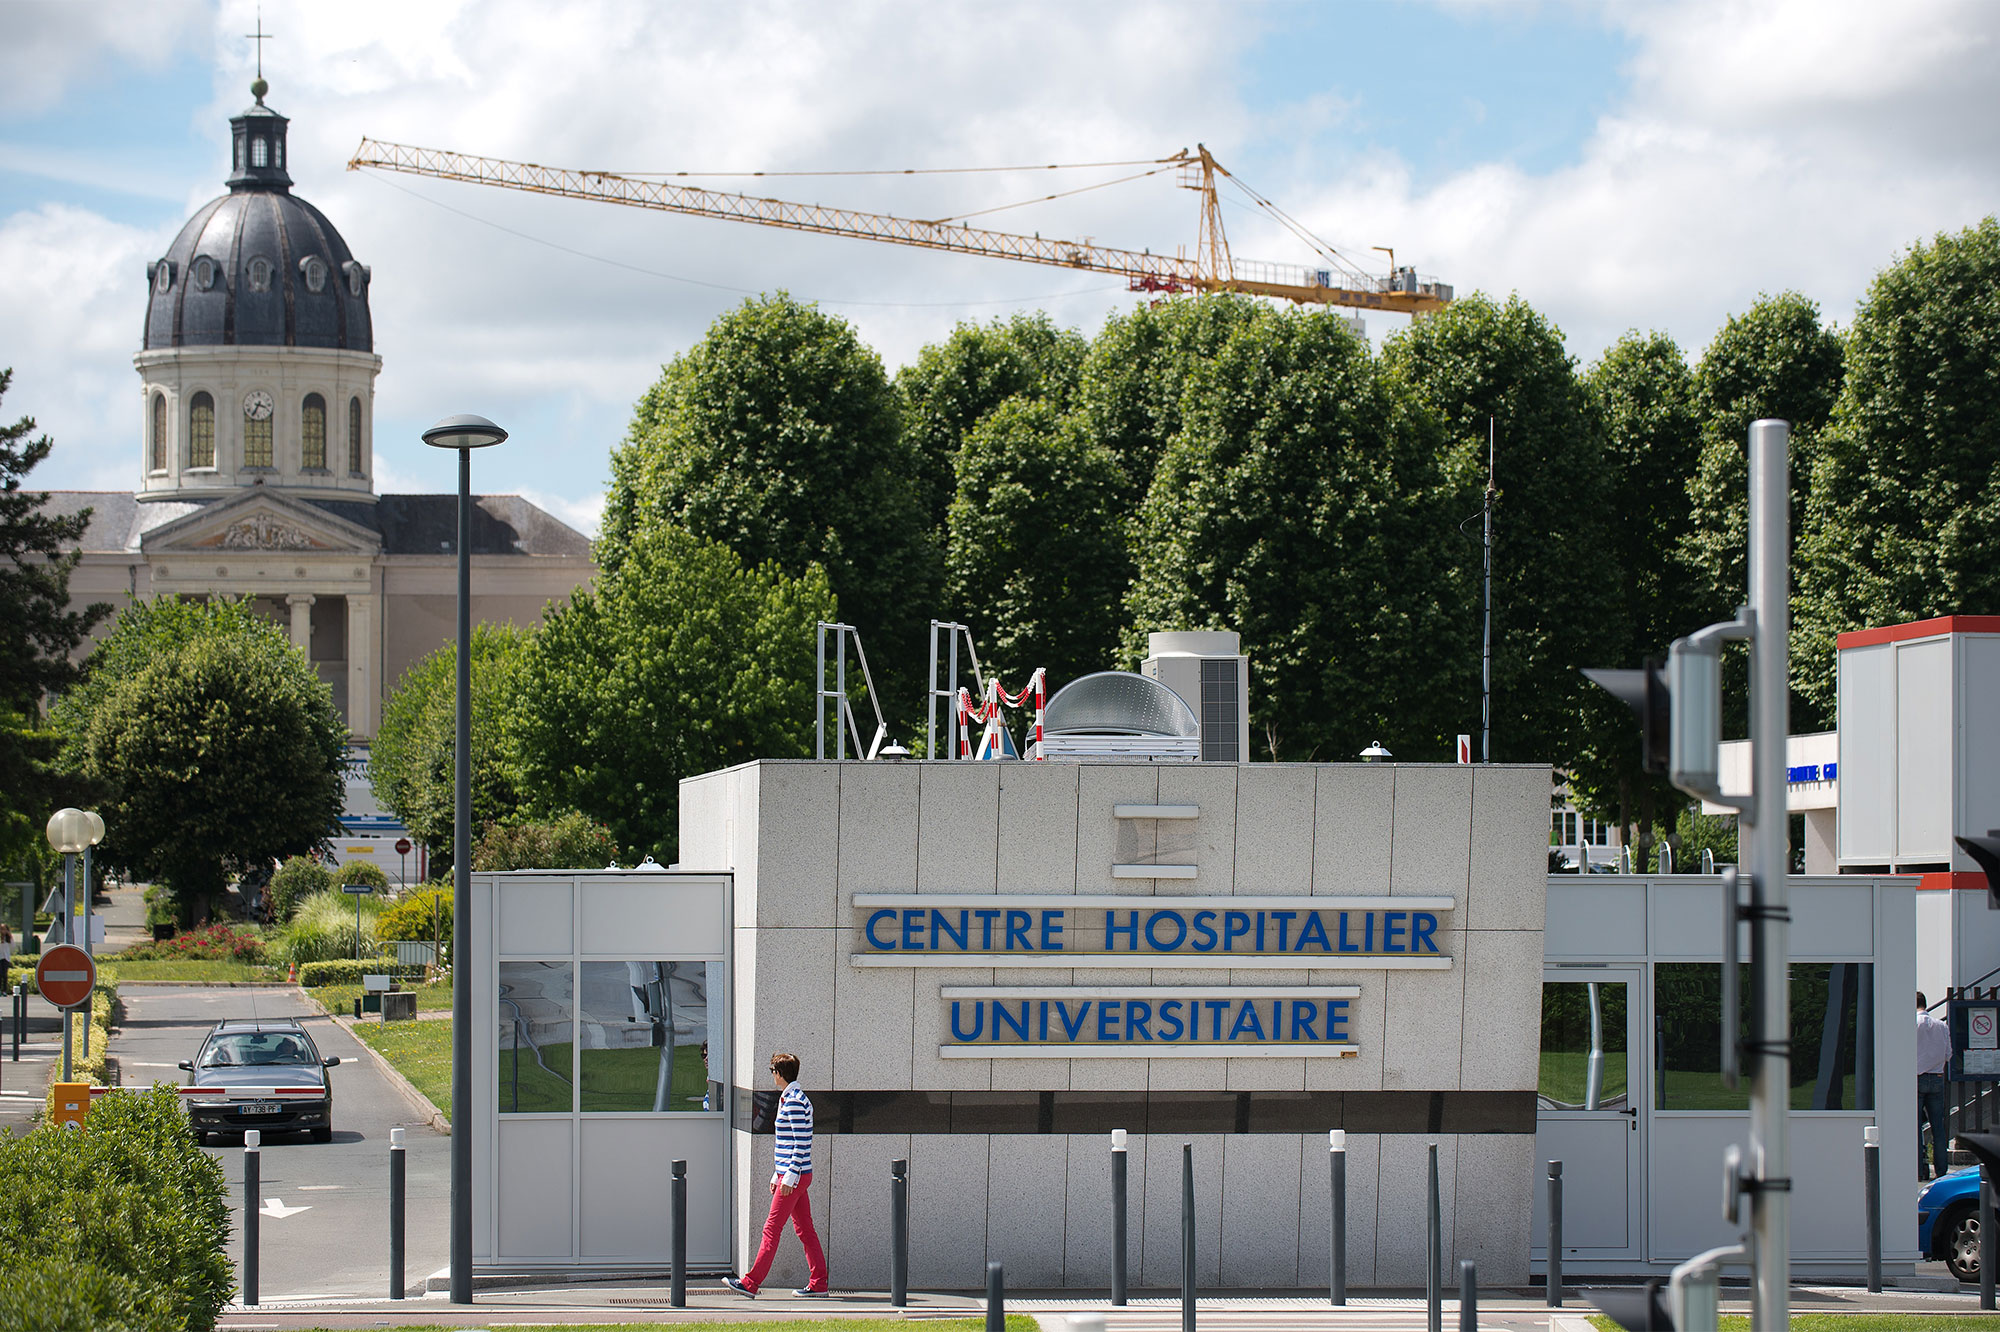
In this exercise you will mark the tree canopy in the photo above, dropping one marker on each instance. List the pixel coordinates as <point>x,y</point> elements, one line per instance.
<point>777,435</point>
<point>38,630</point>
<point>1479,365</point>
<point>1036,562</point>
<point>681,660</point>
<point>217,743</point>
<point>412,764</point>
<point>1298,504</point>
<point>1904,517</point>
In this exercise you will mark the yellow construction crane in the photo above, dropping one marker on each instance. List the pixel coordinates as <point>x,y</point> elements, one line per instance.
<point>1212,268</point>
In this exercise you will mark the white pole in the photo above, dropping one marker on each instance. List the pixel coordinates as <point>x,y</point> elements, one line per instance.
<point>1486,644</point>
<point>1769,855</point>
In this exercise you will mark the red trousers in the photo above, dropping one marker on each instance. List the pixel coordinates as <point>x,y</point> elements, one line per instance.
<point>795,1207</point>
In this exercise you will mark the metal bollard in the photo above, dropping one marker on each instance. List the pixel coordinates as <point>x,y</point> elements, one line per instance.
<point>996,1299</point>
<point>1986,1245</point>
<point>20,1017</point>
<point>1555,1281</point>
<point>899,1233</point>
<point>1118,1224</point>
<point>1871,1178</point>
<point>1187,1237</point>
<point>252,1189</point>
<point>678,1294</point>
<point>1468,1297</point>
<point>1336,1147</point>
<point>396,1194</point>
<point>1433,1277</point>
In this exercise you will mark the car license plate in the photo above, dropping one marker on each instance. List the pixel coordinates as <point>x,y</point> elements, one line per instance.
<point>259,1108</point>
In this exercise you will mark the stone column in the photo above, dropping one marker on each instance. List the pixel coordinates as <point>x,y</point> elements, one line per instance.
<point>302,607</point>
<point>362,703</point>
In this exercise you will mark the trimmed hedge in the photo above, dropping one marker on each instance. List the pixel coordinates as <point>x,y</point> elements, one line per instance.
<point>295,881</point>
<point>361,871</point>
<point>349,972</point>
<point>123,1225</point>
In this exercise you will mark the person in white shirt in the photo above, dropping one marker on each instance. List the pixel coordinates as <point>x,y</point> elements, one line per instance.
<point>1933,1054</point>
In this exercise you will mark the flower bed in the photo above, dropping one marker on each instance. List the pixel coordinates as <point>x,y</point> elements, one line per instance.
<point>211,943</point>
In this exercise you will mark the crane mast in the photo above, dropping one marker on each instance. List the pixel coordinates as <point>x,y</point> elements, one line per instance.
<point>1212,269</point>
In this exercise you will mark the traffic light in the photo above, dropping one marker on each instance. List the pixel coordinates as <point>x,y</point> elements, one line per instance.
<point>1645,692</point>
<point>1985,852</point>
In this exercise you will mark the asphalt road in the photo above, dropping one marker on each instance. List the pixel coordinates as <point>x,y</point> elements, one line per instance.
<point>339,1246</point>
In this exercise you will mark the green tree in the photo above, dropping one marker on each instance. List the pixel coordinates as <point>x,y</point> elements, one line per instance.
<point>38,632</point>
<point>1775,360</point>
<point>957,383</point>
<point>1036,561</point>
<point>569,841</point>
<point>1299,506</point>
<point>1904,518</point>
<point>777,436</point>
<point>680,660</point>
<point>218,744</point>
<point>1643,393</point>
<point>412,764</point>
<point>1130,389</point>
<point>1554,571</point>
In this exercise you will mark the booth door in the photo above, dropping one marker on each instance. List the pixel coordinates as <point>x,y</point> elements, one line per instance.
<point>1588,1115</point>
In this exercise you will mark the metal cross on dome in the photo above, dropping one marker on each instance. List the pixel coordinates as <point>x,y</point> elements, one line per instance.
<point>260,37</point>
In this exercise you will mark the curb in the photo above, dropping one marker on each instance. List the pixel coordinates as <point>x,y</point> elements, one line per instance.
<point>430,1114</point>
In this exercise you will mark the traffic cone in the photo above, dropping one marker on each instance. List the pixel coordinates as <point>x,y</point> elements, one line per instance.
<point>292,973</point>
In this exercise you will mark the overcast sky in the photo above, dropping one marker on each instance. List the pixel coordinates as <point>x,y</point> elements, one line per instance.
<point>1620,164</point>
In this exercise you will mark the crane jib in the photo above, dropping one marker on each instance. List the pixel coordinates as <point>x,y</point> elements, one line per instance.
<point>1143,271</point>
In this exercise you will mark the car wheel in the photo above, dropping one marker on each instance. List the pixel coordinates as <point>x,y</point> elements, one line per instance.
<point>1960,1230</point>
<point>326,1135</point>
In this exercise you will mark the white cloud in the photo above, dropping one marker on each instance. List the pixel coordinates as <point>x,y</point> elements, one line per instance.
<point>72,302</point>
<point>47,45</point>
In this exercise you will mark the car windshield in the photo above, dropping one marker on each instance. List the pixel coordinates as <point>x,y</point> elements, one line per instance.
<point>257,1047</point>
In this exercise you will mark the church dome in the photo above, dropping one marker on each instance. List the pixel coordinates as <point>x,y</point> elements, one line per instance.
<point>258,267</point>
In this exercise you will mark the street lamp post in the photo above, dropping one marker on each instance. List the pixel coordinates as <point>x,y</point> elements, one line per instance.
<point>463,433</point>
<point>71,831</point>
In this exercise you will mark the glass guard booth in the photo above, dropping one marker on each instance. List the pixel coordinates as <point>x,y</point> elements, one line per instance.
<point>1631,1099</point>
<point>600,1007</point>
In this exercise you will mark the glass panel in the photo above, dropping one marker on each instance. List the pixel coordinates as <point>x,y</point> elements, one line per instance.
<point>201,431</point>
<point>535,1038</point>
<point>354,435</point>
<point>256,442</point>
<point>312,433</point>
<point>1583,1045</point>
<point>644,1028</point>
<point>1833,1036</point>
<point>159,458</point>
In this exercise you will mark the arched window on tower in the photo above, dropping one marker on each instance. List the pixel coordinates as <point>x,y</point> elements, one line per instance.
<point>260,151</point>
<point>201,431</point>
<point>156,459</point>
<point>354,436</point>
<point>312,435</point>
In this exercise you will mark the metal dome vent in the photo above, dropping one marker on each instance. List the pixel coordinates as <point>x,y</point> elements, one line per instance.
<point>1119,715</point>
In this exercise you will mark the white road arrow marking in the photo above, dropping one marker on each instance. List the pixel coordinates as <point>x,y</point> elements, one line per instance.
<point>276,1207</point>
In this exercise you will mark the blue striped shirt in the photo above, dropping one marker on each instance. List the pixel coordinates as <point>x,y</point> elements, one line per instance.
<point>794,1155</point>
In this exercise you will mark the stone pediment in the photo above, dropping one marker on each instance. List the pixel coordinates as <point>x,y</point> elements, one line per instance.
<point>257,523</point>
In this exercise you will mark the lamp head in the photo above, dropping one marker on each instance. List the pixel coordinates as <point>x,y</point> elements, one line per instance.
<point>464,431</point>
<point>1375,753</point>
<point>96,826</point>
<point>69,831</point>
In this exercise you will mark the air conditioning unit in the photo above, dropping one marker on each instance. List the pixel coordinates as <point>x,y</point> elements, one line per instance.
<point>1208,670</point>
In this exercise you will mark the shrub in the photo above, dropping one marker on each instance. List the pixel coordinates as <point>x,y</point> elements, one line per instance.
<point>213,943</point>
<point>360,871</point>
<point>571,842</point>
<point>424,913</point>
<point>134,1199</point>
<point>296,880</point>
<point>322,927</point>
<point>162,907</point>
<point>349,972</point>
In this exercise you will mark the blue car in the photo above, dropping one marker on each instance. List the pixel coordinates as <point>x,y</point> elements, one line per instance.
<point>1948,1222</point>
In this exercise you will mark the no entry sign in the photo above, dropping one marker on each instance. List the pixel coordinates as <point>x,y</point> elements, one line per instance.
<point>64,976</point>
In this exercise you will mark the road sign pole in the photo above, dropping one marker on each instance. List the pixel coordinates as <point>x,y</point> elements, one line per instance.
<point>252,1186</point>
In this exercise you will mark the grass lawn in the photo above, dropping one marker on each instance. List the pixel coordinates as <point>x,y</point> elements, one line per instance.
<point>1841,1322</point>
<point>420,1051</point>
<point>192,971</point>
<point>432,998</point>
<point>1564,1073</point>
<point>1015,1323</point>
